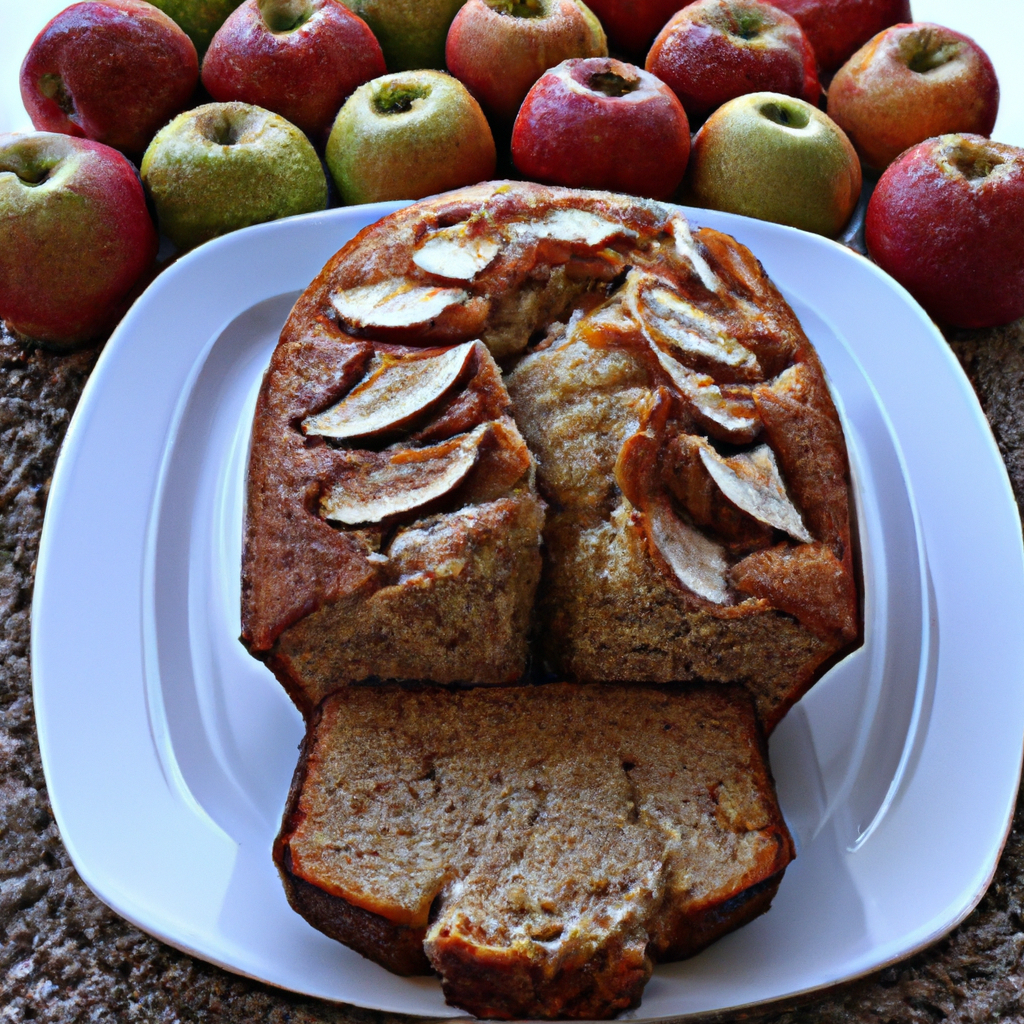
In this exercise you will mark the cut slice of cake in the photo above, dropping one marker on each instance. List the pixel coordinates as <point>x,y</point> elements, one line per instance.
<point>540,847</point>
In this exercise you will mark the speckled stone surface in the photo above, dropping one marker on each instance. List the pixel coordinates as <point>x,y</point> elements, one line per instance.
<point>64,957</point>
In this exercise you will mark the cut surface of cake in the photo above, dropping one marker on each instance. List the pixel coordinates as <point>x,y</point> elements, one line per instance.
<point>540,847</point>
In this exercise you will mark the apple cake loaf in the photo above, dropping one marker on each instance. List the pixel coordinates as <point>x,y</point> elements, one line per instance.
<point>540,847</point>
<point>685,442</point>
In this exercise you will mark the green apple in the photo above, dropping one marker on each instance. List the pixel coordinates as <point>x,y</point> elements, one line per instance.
<point>199,18</point>
<point>409,135</point>
<point>411,33</point>
<point>776,158</point>
<point>228,165</point>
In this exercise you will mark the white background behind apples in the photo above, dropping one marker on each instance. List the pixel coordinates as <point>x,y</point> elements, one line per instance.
<point>983,20</point>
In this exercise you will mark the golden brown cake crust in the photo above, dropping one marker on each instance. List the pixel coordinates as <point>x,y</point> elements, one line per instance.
<point>546,844</point>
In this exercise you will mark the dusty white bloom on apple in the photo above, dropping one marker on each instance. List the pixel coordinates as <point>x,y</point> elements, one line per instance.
<point>911,83</point>
<point>946,221</point>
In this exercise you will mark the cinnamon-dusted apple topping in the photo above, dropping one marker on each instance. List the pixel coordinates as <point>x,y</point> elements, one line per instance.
<point>687,248</point>
<point>751,481</point>
<point>374,486</point>
<point>695,560</point>
<point>701,340</point>
<point>729,415</point>
<point>455,252</point>
<point>397,389</point>
<point>569,225</point>
<point>394,303</point>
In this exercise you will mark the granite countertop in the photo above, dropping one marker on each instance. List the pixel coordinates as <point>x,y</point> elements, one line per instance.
<point>65,957</point>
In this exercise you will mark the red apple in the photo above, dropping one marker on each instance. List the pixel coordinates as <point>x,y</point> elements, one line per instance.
<point>600,123</point>
<point>715,50</point>
<point>114,71</point>
<point>632,24</point>
<point>299,58</point>
<point>911,83</point>
<point>75,236</point>
<point>838,28</point>
<point>499,48</point>
<point>945,220</point>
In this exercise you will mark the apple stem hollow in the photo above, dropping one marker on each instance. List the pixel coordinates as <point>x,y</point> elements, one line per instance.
<point>612,84</point>
<point>747,25</point>
<point>519,8</point>
<point>974,163</point>
<point>285,15</point>
<point>33,180</point>
<point>53,88</point>
<point>785,115</point>
<point>925,51</point>
<point>397,97</point>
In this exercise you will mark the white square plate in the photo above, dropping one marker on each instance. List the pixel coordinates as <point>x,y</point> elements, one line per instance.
<point>168,750</point>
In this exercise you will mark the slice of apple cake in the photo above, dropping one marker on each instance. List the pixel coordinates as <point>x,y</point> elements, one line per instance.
<point>540,847</point>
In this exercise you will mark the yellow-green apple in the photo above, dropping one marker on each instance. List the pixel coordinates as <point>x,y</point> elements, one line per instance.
<point>199,18</point>
<point>946,221</point>
<point>777,158</point>
<point>299,58</point>
<point>911,83</point>
<point>224,166</point>
<point>411,32</point>
<point>499,48</point>
<point>409,135</point>
<point>601,123</point>
<point>113,71</point>
<point>75,236</point>
<point>632,24</point>
<point>714,50</point>
<point>838,28</point>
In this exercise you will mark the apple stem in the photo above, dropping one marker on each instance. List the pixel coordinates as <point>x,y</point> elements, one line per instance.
<point>285,15</point>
